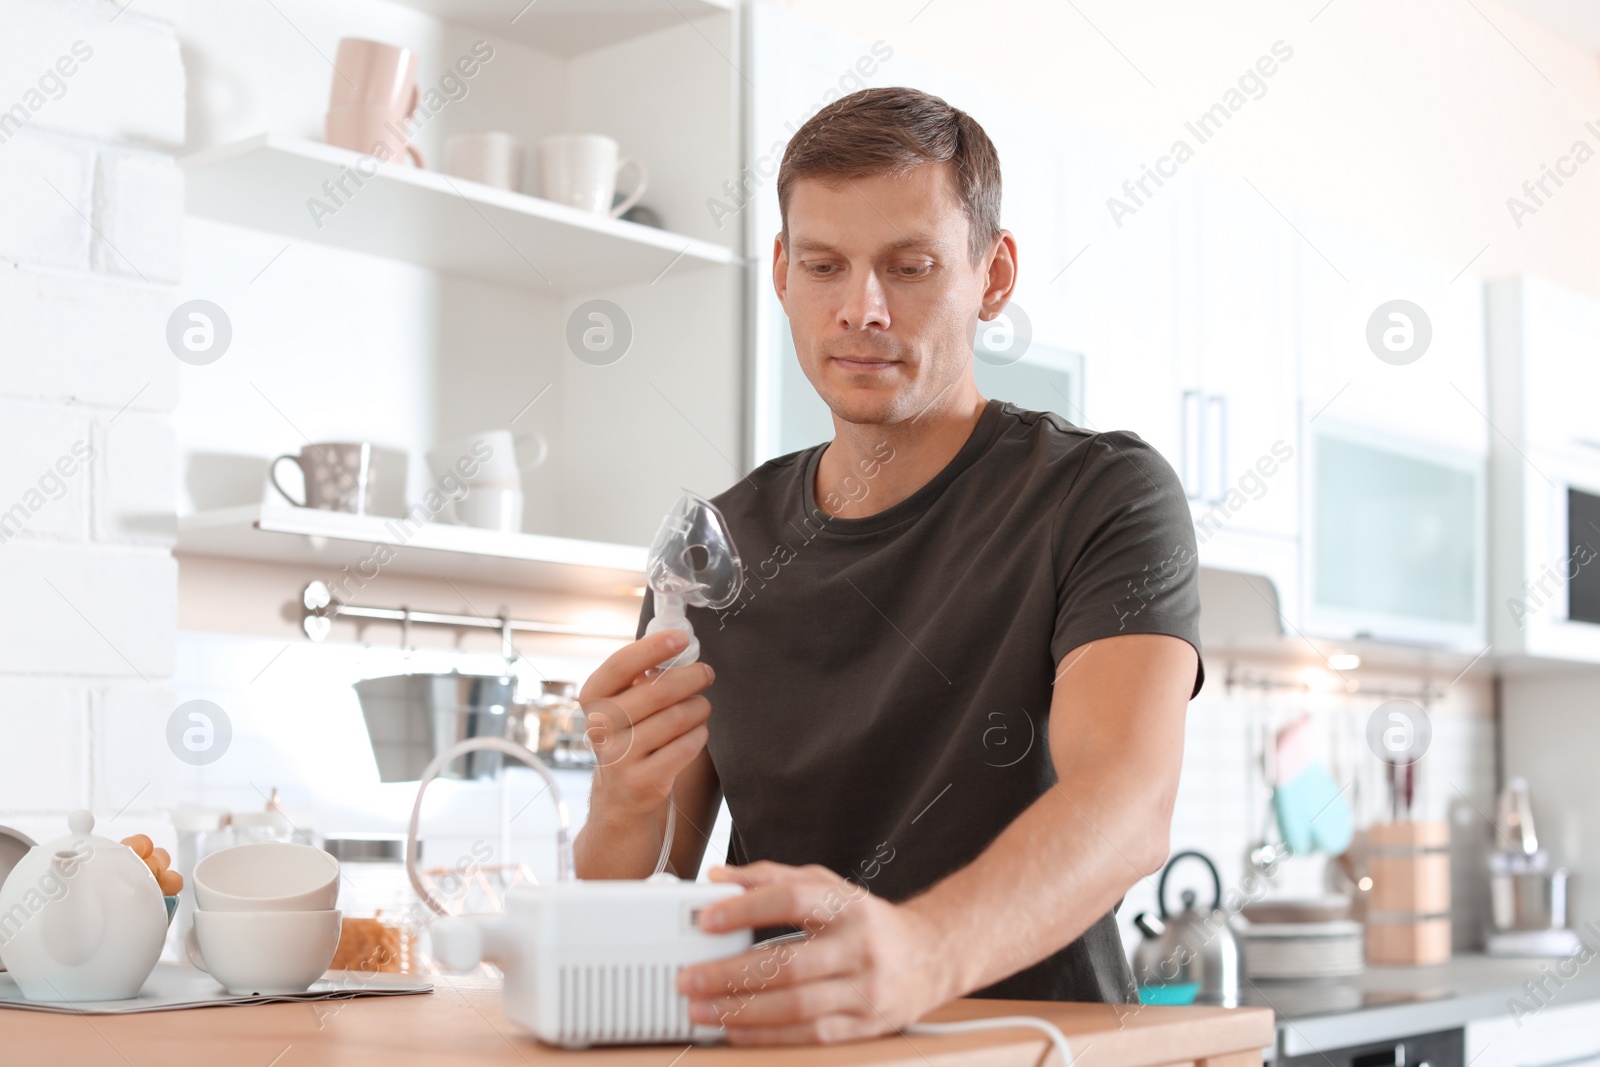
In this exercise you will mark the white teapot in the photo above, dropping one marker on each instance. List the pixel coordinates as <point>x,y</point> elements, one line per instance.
<point>81,918</point>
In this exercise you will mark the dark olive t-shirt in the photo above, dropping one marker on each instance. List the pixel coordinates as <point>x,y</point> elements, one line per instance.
<point>883,683</point>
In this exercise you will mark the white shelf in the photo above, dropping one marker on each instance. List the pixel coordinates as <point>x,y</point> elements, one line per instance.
<point>569,27</point>
<point>435,221</point>
<point>331,540</point>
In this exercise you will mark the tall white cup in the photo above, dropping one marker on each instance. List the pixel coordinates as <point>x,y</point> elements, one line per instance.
<point>580,170</point>
<point>491,157</point>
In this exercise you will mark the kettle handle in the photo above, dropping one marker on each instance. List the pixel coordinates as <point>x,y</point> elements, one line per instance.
<point>1161,886</point>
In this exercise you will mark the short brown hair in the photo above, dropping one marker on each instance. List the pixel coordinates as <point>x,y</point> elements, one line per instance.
<point>891,131</point>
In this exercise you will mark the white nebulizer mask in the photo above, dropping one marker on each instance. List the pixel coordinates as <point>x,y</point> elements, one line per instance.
<point>692,561</point>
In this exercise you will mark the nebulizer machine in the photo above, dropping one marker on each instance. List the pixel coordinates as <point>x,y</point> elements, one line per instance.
<point>592,963</point>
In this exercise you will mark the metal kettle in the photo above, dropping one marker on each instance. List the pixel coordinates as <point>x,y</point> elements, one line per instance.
<point>1190,957</point>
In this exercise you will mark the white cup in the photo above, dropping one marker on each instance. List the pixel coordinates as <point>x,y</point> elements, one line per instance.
<point>263,952</point>
<point>580,170</point>
<point>490,157</point>
<point>488,458</point>
<point>484,459</point>
<point>267,876</point>
<point>489,507</point>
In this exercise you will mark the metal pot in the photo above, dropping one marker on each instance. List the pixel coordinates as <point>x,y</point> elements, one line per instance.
<point>1190,957</point>
<point>1523,896</point>
<point>413,717</point>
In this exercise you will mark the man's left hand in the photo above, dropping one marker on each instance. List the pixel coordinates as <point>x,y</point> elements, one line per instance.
<point>868,967</point>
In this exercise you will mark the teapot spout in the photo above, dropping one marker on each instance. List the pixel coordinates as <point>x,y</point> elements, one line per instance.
<point>74,922</point>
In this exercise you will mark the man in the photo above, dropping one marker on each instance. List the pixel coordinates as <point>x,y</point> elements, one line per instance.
<point>950,702</point>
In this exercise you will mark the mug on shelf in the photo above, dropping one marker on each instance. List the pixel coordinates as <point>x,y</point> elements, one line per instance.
<point>481,478</point>
<point>489,157</point>
<point>581,169</point>
<point>351,476</point>
<point>374,95</point>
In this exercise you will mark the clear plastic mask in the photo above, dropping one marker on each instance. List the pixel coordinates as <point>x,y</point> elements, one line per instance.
<point>693,555</point>
<point>692,563</point>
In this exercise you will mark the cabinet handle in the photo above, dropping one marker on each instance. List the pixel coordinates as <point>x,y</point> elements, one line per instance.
<point>1216,452</point>
<point>1190,447</point>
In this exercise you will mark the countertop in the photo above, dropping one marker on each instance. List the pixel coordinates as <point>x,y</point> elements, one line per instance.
<point>1354,1011</point>
<point>461,1023</point>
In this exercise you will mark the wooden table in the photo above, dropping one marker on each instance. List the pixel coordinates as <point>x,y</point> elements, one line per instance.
<point>461,1023</point>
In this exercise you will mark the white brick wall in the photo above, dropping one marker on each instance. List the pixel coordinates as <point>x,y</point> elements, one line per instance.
<point>45,200</point>
<point>44,478</point>
<point>87,611</point>
<point>139,213</point>
<point>129,89</point>
<point>91,231</point>
<point>136,502</point>
<point>131,766</point>
<point>44,724</point>
<point>78,338</point>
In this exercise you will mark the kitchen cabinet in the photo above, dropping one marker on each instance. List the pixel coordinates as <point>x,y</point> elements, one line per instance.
<point>1346,283</point>
<point>1395,539</point>
<point>1395,438</point>
<point>1546,463</point>
<point>1538,1036</point>
<point>1546,375</point>
<point>1237,372</point>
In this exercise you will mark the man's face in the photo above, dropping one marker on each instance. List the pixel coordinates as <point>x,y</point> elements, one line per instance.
<point>881,292</point>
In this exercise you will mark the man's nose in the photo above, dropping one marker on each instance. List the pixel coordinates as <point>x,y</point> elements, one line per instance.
<point>866,304</point>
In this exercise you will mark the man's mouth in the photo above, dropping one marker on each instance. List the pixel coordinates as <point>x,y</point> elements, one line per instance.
<point>867,365</point>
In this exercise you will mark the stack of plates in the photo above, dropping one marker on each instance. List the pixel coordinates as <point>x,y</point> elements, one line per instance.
<point>1302,949</point>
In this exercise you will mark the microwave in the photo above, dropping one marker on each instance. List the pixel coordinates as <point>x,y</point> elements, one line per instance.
<point>1546,534</point>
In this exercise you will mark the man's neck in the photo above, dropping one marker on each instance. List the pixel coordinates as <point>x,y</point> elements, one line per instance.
<point>868,468</point>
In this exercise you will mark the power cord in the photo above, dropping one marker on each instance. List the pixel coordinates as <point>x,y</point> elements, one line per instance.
<point>1058,1040</point>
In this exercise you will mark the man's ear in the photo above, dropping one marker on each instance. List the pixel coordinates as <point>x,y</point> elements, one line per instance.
<point>1001,279</point>
<point>780,269</point>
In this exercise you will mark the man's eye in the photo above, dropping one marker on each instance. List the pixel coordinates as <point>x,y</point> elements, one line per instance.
<point>822,268</point>
<point>912,270</point>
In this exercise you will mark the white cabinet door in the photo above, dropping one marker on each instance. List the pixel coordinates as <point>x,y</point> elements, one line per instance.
<point>1359,349</point>
<point>1123,287</point>
<point>1395,542</point>
<point>1395,441</point>
<point>1236,342</point>
<point>1559,350</point>
<point>1564,1034</point>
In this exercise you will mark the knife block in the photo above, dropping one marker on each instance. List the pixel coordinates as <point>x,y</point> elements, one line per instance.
<point>1408,909</point>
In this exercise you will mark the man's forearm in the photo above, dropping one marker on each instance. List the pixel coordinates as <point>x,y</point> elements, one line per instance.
<point>617,848</point>
<point>1061,865</point>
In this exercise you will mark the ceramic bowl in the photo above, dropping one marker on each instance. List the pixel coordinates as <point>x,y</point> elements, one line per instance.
<point>267,876</point>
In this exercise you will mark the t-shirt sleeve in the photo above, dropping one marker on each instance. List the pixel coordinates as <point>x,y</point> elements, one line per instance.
<point>1124,550</point>
<point>647,611</point>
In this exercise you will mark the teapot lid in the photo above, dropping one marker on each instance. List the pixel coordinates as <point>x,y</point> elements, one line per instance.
<point>80,826</point>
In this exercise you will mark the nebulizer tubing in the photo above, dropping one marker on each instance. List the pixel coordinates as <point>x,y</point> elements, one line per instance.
<point>692,563</point>
<point>564,867</point>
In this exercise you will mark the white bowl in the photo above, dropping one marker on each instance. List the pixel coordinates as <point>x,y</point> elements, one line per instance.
<point>268,876</point>
<point>264,952</point>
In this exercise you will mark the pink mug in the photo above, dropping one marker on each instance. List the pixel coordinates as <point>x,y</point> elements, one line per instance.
<point>374,95</point>
<point>374,74</point>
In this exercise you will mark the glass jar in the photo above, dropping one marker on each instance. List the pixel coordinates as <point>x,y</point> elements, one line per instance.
<point>562,725</point>
<point>381,921</point>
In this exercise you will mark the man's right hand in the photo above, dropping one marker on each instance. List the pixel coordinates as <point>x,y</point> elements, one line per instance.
<point>644,729</point>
